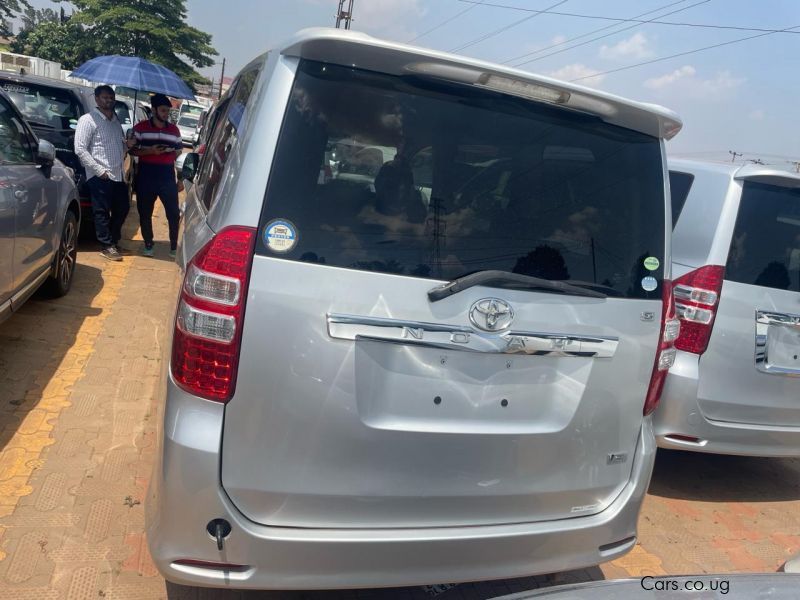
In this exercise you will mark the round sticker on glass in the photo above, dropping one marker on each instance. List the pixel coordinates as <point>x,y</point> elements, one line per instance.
<point>651,263</point>
<point>649,284</point>
<point>280,236</point>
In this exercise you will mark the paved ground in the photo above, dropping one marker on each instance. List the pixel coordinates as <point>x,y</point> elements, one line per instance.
<point>77,427</point>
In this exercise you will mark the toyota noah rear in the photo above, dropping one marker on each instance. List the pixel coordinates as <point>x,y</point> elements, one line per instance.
<point>424,319</point>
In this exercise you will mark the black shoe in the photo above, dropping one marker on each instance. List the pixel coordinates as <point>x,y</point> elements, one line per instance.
<point>111,253</point>
<point>121,249</point>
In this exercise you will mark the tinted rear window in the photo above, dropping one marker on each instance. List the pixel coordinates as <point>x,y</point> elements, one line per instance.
<point>432,180</point>
<point>123,112</point>
<point>44,106</point>
<point>765,249</point>
<point>679,185</point>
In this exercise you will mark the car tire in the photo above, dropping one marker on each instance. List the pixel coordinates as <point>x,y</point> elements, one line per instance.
<point>60,280</point>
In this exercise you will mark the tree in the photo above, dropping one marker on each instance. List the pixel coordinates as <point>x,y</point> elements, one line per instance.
<point>32,17</point>
<point>8,10</point>
<point>152,29</point>
<point>65,43</point>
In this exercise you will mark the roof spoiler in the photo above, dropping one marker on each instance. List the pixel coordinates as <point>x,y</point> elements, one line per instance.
<point>352,49</point>
<point>760,174</point>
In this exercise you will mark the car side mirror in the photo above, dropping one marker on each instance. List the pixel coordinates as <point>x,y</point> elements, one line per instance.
<point>189,169</point>
<point>45,153</point>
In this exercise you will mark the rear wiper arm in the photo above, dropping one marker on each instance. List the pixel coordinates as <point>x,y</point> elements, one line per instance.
<point>505,279</point>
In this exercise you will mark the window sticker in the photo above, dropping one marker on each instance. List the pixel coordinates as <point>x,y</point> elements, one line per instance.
<point>651,263</point>
<point>649,284</point>
<point>280,235</point>
<point>19,89</point>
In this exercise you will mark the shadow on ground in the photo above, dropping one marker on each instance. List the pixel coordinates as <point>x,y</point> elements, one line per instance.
<point>472,591</point>
<point>34,341</point>
<point>719,478</point>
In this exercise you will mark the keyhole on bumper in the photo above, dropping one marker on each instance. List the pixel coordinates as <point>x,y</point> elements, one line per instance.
<point>437,400</point>
<point>503,402</point>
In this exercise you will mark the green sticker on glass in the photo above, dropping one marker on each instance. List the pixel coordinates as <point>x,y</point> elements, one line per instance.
<point>651,263</point>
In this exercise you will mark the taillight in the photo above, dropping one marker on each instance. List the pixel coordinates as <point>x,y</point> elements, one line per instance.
<point>208,324</point>
<point>665,356</point>
<point>696,298</point>
<point>201,149</point>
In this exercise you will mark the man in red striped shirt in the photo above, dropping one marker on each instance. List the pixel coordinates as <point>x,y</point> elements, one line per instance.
<point>158,145</point>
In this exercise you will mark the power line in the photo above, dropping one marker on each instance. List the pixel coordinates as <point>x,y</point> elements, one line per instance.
<point>636,20</point>
<point>600,37</point>
<point>536,13</point>
<point>663,58</point>
<point>567,41</point>
<point>707,152</point>
<point>446,21</point>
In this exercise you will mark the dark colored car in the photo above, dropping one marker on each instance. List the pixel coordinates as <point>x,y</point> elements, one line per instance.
<point>52,108</point>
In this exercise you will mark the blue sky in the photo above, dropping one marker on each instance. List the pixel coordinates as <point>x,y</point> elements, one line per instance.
<point>741,97</point>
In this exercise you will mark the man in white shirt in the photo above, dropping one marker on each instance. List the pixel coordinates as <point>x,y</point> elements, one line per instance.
<point>101,148</point>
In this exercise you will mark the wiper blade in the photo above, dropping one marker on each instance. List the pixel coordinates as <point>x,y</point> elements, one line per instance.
<point>39,124</point>
<point>505,279</point>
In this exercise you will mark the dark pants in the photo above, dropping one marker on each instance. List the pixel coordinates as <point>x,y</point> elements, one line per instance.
<point>110,206</point>
<point>157,181</point>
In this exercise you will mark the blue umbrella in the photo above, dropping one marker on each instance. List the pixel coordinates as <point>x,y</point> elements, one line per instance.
<point>134,72</point>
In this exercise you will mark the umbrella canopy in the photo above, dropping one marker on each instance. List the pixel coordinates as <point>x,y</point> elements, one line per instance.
<point>134,72</point>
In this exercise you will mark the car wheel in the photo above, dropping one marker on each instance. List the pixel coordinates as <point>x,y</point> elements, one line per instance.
<point>60,280</point>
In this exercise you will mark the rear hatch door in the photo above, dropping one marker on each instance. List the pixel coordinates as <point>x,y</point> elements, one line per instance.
<point>751,371</point>
<point>362,401</point>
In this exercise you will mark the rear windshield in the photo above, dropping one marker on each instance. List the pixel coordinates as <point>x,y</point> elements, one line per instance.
<point>188,121</point>
<point>765,249</point>
<point>123,112</point>
<point>44,106</point>
<point>427,179</point>
<point>679,186</point>
<point>191,109</point>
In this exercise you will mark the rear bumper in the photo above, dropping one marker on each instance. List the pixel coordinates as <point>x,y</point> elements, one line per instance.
<point>185,494</point>
<point>679,414</point>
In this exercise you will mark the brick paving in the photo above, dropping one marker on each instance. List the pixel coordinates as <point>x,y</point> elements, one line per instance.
<point>77,439</point>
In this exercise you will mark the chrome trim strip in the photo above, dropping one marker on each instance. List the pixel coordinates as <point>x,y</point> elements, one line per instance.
<point>764,321</point>
<point>28,290</point>
<point>467,339</point>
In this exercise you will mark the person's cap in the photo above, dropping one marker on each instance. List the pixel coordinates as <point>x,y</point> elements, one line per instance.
<point>159,100</point>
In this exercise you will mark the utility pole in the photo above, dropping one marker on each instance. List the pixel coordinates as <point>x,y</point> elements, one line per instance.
<point>221,78</point>
<point>344,15</point>
<point>734,155</point>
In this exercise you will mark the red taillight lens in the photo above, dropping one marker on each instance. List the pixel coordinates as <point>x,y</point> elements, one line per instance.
<point>201,149</point>
<point>696,298</point>
<point>665,356</point>
<point>207,337</point>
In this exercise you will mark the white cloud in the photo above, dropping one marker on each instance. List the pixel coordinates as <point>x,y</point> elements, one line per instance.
<point>722,82</point>
<point>635,47</point>
<point>661,82</point>
<point>757,115</point>
<point>576,71</point>
<point>558,39</point>
<point>686,83</point>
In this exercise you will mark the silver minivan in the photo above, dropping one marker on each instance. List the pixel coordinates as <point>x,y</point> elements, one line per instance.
<point>735,385</point>
<point>440,370</point>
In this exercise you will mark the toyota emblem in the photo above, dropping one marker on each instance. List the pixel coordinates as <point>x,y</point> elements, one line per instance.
<point>491,314</point>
